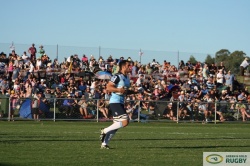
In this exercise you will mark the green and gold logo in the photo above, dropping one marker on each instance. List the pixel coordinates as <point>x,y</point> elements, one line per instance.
<point>214,158</point>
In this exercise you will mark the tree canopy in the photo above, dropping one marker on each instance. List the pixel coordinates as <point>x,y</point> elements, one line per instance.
<point>232,61</point>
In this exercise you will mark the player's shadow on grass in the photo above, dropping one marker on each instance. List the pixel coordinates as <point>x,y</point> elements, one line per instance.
<point>196,147</point>
<point>179,139</point>
<point>58,139</point>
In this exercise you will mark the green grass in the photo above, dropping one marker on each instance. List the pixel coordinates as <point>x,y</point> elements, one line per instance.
<point>77,143</point>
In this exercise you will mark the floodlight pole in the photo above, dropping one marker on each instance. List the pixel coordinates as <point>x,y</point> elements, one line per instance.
<point>57,52</point>
<point>99,52</point>
<point>178,60</point>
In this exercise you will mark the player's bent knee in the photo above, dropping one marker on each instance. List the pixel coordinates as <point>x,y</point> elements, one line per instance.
<point>125,123</point>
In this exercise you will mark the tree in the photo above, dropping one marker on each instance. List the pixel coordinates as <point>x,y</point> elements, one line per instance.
<point>222,56</point>
<point>192,59</point>
<point>234,61</point>
<point>209,60</point>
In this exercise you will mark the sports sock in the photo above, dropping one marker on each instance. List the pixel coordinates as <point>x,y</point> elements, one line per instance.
<point>114,126</point>
<point>108,137</point>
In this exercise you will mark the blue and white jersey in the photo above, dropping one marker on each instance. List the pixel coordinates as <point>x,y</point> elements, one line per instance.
<point>120,81</point>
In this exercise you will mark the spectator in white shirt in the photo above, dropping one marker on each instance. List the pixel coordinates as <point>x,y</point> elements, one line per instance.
<point>220,78</point>
<point>30,67</point>
<point>38,63</point>
<point>243,65</point>
<point>25,57</point>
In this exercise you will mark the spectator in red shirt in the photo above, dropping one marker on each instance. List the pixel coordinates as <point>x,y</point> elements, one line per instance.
<point>32,51</point>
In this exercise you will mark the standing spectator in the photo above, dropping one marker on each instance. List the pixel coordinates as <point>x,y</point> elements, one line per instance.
<point>243,65</point>
<point>212,70</point>
<point>32,51</point>
<point>222,67</point>
<point>10,69</point>
<point>14,100</point>
<point>205,72</point>
<point>134,69</point>
<point>92,64</point>
<point>30,68</point>
<point>15,73</point>
<point>229,80</point>
<point>35,105</point>
<point>25,57</point>
<point>41,51</point>
<point>220,78</point>
<point>85,61</point>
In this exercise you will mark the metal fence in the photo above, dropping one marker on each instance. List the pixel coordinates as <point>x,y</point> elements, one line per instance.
<point>62,52</point>
<point>53,110</point>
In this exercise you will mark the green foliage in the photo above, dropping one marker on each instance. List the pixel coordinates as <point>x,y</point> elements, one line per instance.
<point>192,59</point>
<point>209,60</point>
<point>222,56</point>
<point>231,61</point>
<point>77,143</point>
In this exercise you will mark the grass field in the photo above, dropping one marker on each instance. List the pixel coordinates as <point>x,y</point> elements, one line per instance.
<point>77,143</point>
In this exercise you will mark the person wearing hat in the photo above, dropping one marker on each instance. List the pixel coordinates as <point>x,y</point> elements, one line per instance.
<point>38,63</point>
<point>41,51</point>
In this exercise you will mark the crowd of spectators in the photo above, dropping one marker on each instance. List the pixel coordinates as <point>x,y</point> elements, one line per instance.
<point>196,87</point>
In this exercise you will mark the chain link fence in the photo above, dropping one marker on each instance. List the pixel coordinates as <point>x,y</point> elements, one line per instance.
<point>141,55</point>
<point>55,109</point>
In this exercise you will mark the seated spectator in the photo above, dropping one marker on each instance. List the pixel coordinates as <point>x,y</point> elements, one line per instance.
<point>56,85</point>
<point>169,112</point>
<point>242,108</point>
<point>68,106</point>
<point>185,86</point>
<point>83,107</point>
<point>183,111</point>
<point>82,87</point>
<point>222,108</point>
<point>203,109</point>
<point>129,110</point>
<point>151,105</point>
<point>4,86</point>
<point>102,108</point>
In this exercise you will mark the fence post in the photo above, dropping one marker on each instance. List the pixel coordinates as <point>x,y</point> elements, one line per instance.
<point>215,114</point>
<point>9,109</point>
<point>177,117</point>
<point>54,109</point>
<point>139,111</point>
<point>97,111</point>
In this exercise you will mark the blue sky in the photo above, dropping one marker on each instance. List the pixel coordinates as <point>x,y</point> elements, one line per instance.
<point>193,26</point>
